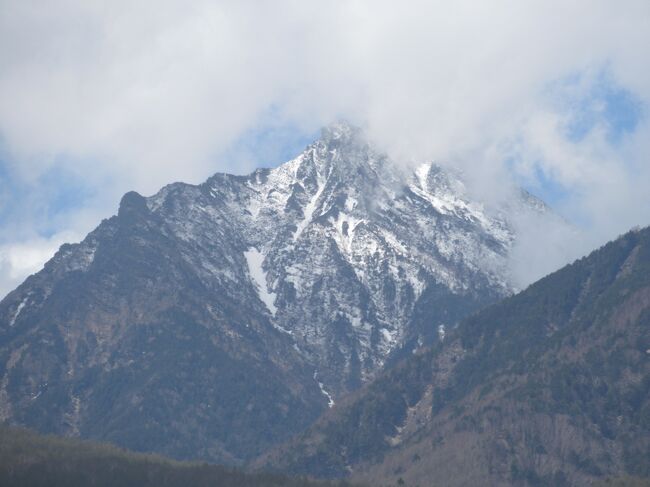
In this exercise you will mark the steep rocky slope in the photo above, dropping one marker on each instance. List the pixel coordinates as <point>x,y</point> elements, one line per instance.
<point>548,387</point>
<point>119,339</point>
<point>212,321</point>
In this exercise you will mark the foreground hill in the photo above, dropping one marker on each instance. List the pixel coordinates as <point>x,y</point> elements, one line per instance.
<point>213,321</point>
<point>548,387</point>
<point>31,460</point>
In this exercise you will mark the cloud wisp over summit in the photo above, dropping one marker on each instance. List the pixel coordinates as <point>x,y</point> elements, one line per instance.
<point>97,98</point>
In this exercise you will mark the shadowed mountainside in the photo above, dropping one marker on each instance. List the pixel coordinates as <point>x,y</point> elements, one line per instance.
<point>548,387</point>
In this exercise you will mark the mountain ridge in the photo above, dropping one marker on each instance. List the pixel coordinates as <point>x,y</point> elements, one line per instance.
<point>245,306</point>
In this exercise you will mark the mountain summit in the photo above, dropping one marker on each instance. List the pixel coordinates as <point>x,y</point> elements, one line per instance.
<point>215,320</point>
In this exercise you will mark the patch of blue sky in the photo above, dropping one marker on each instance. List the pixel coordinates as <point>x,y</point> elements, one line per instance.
<point>41,200</point>
<point>270,143</point>
<point>603,103</point>
<point>7,191</point>
<point>65,190</point>
<point>11,190</point>
<point>552,192</point>
<point>588,102</point>
<point>539,184</point>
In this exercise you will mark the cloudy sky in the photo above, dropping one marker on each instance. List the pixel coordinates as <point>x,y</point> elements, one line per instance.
<point>98,98</point>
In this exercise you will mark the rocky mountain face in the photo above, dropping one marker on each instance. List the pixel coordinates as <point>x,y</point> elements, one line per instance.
<point>213,321</point>
<point>548,387</point>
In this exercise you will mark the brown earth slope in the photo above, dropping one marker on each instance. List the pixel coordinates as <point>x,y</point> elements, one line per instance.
<point>549,387</point>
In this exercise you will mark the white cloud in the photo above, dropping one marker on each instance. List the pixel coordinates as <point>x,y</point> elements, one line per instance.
<point>156,91</point>
<point>19,260</point>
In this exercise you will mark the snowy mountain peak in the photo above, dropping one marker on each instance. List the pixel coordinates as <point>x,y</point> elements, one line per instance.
<point>350,257</point>
<point>363,245</point>
<point>341,130</point>
<point>281,290</point>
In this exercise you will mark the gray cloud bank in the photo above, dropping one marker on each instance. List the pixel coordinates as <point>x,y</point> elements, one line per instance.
<point>132,95</point>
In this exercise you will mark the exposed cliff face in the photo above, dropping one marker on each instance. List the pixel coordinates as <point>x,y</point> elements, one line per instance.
<point>548,387</point>
<point>214,320</point>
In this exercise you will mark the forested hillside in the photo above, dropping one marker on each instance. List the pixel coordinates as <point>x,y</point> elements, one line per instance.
<point>31,460</point>
<point>549,387</point>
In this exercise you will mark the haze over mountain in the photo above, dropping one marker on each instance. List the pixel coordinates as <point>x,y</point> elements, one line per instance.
<point>547,387</point>
<point>96,101</point>
<point>316,237</point>
<point>214,321</point>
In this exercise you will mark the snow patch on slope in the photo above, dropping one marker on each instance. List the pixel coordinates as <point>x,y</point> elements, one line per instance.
<point>330,401</point>
<point>253,207</point>
<point>18,310</point>
<point>255,259</point>
<point>309,210</point>
<point>441,332</point>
